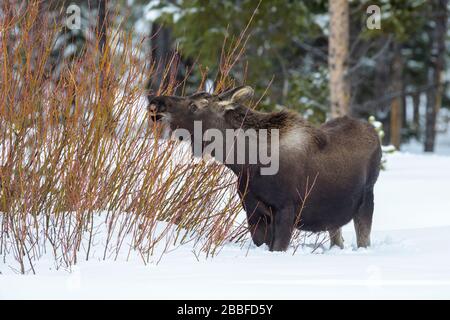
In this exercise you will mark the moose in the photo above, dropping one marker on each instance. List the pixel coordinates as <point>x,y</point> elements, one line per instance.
<point>326,174</point>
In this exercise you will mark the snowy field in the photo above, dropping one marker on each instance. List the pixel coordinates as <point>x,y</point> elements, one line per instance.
<point>409,258</point>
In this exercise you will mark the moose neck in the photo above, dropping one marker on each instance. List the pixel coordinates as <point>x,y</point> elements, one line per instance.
<point>251,139</point>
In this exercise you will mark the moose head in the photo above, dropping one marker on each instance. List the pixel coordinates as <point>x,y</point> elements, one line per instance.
<point>221,126</point>
<point>210,109</point>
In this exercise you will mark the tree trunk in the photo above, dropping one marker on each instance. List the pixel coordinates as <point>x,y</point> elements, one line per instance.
<point>105,60</point>
<point>102,24</point>
<point>338,57</point>
<point>162,57</point>
<point>381,88</point>
<point>102,29</point>
<point>416,114</point>
<point>436,67</point>
<point>396,103</point>
<point>403,101</point>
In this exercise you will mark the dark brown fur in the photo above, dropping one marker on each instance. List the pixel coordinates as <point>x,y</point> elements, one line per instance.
<point>340,160</point>
<point>284,120</point>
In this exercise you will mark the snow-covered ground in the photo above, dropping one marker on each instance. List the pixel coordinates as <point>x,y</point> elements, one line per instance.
<point>409,258</point>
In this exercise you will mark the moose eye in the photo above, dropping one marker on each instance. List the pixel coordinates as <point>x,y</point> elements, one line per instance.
<point>192,107</point>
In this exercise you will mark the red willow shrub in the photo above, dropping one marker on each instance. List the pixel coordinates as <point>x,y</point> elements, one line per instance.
<point>82,167</point>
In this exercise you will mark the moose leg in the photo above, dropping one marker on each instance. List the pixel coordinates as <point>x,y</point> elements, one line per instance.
<point>259,228</point>
<point>336,238</point>
<point>258,219</point>
<point>363,220</point>
<point>282,227</point>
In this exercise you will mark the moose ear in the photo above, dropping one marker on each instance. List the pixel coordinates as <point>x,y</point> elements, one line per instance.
<point>237,95</point>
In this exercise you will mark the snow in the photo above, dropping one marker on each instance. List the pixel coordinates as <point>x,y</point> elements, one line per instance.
<point>413,192</point>
<point>442,146</point>
<point>323,20</point>
<point>156,8</point>
<point>442,143</point>
<point>409,256</point>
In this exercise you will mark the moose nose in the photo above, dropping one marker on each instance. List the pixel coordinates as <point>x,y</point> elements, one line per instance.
<point>152,108</point>
<point>154,113</point>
